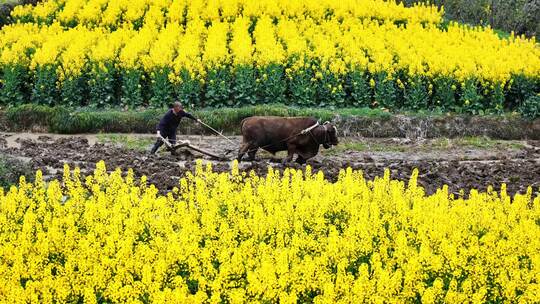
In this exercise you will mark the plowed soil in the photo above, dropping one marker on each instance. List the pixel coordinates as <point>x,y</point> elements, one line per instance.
<point>515,163</point>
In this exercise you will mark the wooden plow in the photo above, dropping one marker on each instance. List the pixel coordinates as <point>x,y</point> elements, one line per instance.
<point>186,144</point>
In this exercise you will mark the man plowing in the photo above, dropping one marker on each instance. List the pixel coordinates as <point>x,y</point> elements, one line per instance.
<point>169,123</point>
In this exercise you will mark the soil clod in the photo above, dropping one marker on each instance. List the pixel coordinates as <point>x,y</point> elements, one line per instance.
<point>459,169</point>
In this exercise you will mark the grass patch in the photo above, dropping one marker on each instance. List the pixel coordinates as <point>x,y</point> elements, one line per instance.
<point>438,144</point>
<point>130,142</point>
<point>9,2</point>
<point>473,142</point>
<point>11,169</point>
<point>363,146</point>
<point>476,142</point>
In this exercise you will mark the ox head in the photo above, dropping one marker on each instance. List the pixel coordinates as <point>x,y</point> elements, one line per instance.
<point>331,135</point>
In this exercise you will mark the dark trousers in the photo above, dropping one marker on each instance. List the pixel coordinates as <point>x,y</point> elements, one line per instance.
<point>170,135</point>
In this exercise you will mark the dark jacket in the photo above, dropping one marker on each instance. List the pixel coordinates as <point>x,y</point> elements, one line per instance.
<point>170,121</point>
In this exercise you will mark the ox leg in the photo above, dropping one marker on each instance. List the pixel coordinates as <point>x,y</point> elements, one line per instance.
<point>251,154</point>
<point>243,149</point>
<point>290,154</point>
<point>300,160</point>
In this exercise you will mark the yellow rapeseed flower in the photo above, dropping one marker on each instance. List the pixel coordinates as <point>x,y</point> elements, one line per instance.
<point>284,237</point>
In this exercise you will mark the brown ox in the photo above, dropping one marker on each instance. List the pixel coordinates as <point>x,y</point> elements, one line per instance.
<point>296,135</point>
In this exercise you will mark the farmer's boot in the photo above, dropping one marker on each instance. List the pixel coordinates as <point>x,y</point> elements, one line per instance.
<point>156,147</point>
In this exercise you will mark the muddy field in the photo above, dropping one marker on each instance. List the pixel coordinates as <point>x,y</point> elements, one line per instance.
<point>461,165</point>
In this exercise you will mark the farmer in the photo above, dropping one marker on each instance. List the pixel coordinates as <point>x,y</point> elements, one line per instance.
<point>169,123</point>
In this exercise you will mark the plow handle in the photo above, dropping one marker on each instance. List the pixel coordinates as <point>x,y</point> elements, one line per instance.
<point>165,141</point>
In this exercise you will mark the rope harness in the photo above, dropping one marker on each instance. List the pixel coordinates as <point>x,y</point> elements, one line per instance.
<point>303,132</point>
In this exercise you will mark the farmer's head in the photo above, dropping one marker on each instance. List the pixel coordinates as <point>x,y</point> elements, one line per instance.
<point>177,107</point>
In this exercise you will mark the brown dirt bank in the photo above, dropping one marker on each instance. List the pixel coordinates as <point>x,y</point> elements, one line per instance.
<point>351,122</point>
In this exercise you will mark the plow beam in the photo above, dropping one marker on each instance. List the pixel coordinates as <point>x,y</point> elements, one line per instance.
<point>189,146</point>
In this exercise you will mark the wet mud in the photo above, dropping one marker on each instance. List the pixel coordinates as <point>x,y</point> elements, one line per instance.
<point>458,168</point>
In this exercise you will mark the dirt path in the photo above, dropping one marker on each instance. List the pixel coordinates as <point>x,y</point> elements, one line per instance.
<point>461,165</point>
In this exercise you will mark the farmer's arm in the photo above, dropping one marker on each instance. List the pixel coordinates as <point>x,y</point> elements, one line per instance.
<point>188,115</point>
